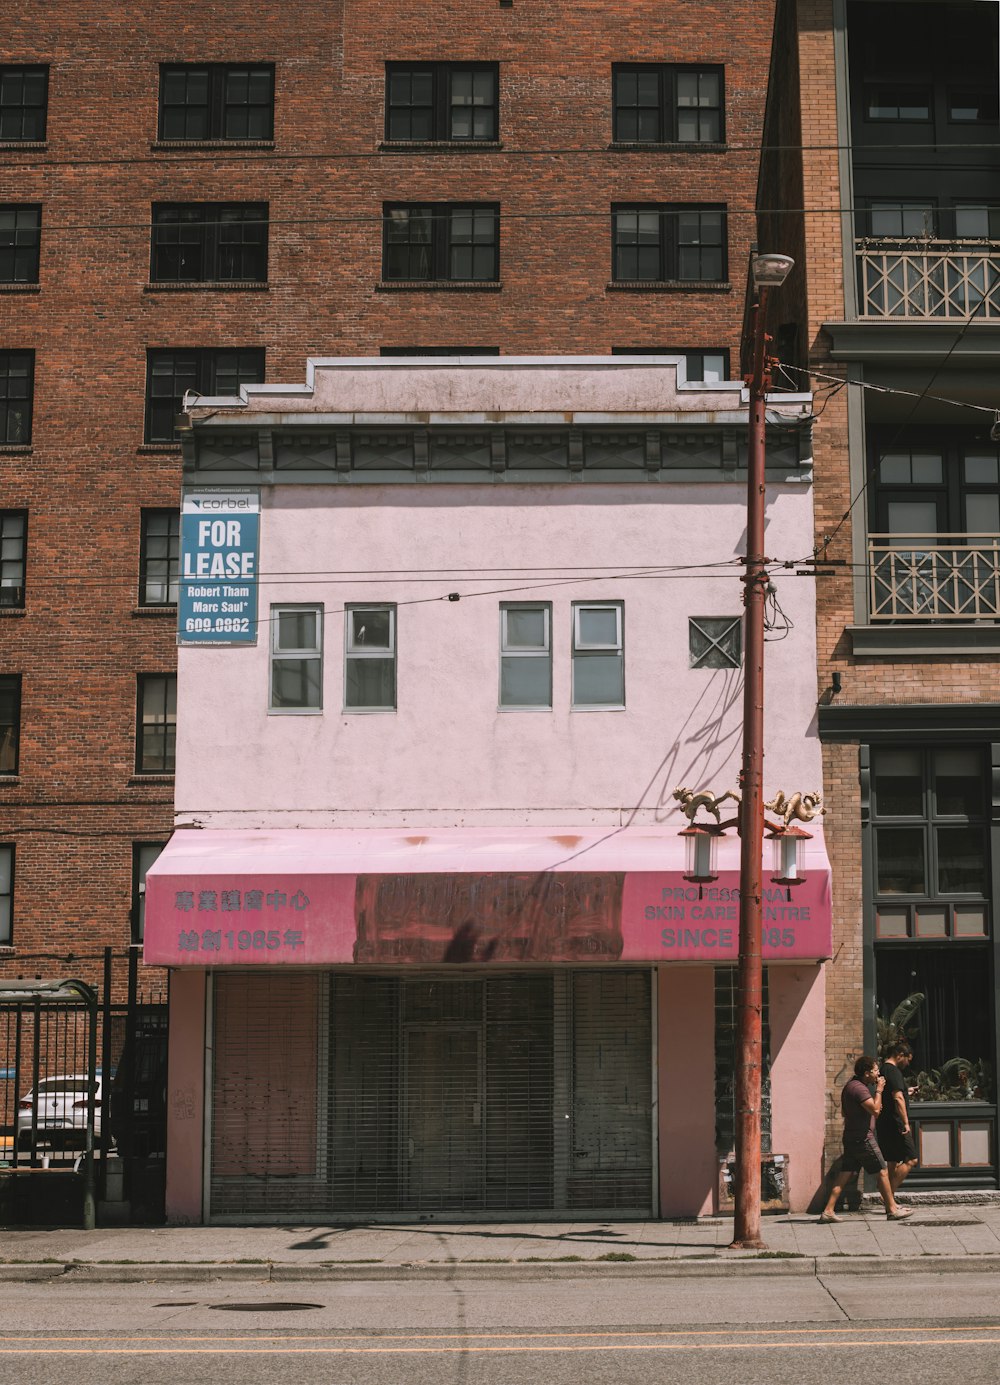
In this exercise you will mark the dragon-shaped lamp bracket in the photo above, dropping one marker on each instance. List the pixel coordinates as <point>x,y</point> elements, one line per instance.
<point>789,839</point>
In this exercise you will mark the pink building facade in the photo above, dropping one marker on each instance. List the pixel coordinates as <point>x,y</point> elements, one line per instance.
<point>452,633</point>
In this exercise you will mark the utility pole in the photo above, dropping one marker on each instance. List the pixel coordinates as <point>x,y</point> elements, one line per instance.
<point>768,271</point>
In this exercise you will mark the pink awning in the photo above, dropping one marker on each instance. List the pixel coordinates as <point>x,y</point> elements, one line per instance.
<point>478,894</point>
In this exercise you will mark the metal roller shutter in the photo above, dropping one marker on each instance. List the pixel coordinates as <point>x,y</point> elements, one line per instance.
<point>352,1094</point>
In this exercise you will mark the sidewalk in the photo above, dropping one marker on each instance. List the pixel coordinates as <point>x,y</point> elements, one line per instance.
<point>956,1237</point>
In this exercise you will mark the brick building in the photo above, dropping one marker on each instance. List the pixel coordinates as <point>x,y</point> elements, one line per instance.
<point>191,206</point>
<point>895,110</point>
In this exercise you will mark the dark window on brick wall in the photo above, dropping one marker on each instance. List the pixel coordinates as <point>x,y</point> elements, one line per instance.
<point>10,721</point>
<point>17,372</point>
<point>216,101</point>
<point>20,234</point>
<point>6,894</point>
<point>13,553</point>
<point>159,558</point>
<point>143,856</point>
<point>206,242</point>
<point>156,728</point>
<point>665,243</point>
<point>441,101</point>
<point>699,366</point>
<point>171,372</point>
<point>658,103</point>
<point>23,103</point>
<point>441,241</point>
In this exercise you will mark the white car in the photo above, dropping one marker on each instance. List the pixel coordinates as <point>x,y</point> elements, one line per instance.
<point>62,1111</point>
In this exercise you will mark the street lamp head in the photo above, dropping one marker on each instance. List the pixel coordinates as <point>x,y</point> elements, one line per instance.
<point>770,271</point>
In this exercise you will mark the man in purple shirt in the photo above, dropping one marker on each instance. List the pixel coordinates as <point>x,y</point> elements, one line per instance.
<point>860,1110</point>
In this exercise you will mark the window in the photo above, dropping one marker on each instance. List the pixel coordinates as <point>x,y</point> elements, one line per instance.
<point>700,367</point>
<point>930,836</point>
<point>973,106</point>
<point>934,517</point>
<point>661,104</point>
<point>441,101</point>
<point>17,370</point>
<point>209,242</point>
<point>439,351</point>
<point>370,659</point>
<point>899,220</point>
<point>726,1059</point>
<point>159,558</point>
<point>23,101</point>
<point>156,741</point>
<point>13,539</point>
<point>930,892</point>
<point>598,654</point>
<point>10,721</point>
<point>942,485</point>
<point>171,373</point>
<point>977,222</point>
<point>296,658</point>
<point>715,641</point>
<point>896,102</point>
<point>143,856</point>
<point>20,234</point>
<point>659,243</point>
<point>216,101</point>
<point>525,654</point>
<point>441,241</point>
<point>6,894</point>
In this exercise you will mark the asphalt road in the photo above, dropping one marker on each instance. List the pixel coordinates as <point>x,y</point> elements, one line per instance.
<point>733,1331</point>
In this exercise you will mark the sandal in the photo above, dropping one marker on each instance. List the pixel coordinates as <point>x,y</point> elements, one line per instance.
<point>827,1217</point>
<point>900,1215</point>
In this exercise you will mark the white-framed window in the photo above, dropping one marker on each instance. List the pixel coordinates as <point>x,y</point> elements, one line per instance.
<point>370,658</point>
<point>598,654</point>
<point>525,655</point>
<point>296,659</point>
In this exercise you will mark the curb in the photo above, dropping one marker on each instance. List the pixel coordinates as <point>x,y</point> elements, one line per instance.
<point>804,1267</point>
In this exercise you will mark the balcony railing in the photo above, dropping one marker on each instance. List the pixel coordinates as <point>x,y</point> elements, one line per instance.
<point>934,577</point>
<point>929,279</point>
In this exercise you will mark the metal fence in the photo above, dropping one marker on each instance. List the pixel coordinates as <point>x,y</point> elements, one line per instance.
<point>83,1090</point>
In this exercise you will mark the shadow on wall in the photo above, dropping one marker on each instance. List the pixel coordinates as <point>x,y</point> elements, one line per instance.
<point>698,756</point>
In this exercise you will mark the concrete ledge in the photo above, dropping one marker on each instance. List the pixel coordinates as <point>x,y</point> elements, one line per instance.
<point>96,1272</point>
<point>19,1274</point>
<point>738,1265</point>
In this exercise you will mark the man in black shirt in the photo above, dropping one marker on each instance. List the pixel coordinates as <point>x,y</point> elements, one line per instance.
<point>861,1149</point>
<point>892,1126</point>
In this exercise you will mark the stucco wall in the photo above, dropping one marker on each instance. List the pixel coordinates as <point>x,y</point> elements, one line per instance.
<point>447,755</point>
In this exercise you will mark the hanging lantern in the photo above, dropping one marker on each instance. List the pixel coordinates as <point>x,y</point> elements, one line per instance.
<point>789,854</point>
<point>701,854</point>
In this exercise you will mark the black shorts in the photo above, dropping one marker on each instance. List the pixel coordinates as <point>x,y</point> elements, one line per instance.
<point>897,1147</point>
<point>863,1154</point>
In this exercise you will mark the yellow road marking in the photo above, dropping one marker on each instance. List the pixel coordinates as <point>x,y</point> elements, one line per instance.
<point>866,1344</point>
<point>776,1331</point>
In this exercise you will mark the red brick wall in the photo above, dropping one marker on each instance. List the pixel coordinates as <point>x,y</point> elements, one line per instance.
<point>75,810</point>
<point>864,681</point>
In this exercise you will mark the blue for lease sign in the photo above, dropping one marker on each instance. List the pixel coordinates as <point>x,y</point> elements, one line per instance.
<point>220,536</point>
